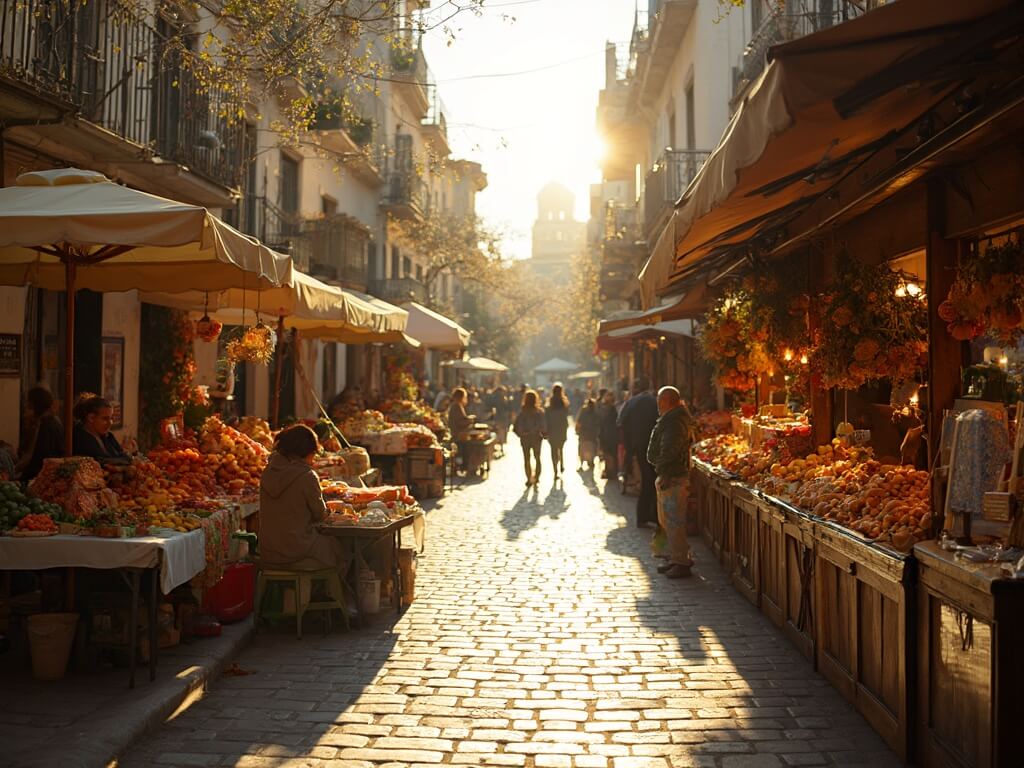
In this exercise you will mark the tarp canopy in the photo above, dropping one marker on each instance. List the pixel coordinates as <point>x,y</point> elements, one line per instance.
<point>556,365</point>
<point>314,308</point>
<point>481,364</point>
<point>433,330</point>
<point>666,328</point>
<point>817,111</point>
<point>582,375</point>
<point>123,239</point>
<point>691,304</point>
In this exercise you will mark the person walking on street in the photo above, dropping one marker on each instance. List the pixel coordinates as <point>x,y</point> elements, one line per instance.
<point>637,421</point>
<point>588,429</point>
<point>556,421</point>
<point>529,426</point>
<point>609,435</point>
<point>669,454</point>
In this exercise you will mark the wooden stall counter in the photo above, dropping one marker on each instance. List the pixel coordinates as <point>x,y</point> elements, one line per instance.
<point>970,657</point>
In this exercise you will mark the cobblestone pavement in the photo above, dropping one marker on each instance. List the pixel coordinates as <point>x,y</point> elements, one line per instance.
<point>541,636</point>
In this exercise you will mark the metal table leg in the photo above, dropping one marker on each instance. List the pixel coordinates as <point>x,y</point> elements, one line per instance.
<point>396,547</point>
<point>154,578</point>
<point>133,630</point>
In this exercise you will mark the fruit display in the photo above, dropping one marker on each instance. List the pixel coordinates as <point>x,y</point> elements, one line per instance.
<point>188,471</point>
<point>77,484</point>
<point>418,436</point>
<point>887,503</point>
<point>412,412</point>
<point>182,523</point>
<point>258,429</point>
<point>37,523</point>
<point>351,502</point>
<point>241,458</point>
<point>359,424</point>
<point>15,506</point>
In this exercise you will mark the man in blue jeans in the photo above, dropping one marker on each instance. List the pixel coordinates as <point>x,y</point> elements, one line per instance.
<point>669,454</point>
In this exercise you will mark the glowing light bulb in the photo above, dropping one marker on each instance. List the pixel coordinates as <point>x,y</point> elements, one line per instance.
<point>913,289</point>
<point>787,355</point>
<point>803,359</point>
<point>914,399</point>
<point>1004,361</point>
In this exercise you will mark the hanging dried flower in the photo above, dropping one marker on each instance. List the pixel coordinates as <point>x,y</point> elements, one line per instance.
<point>256,345</point>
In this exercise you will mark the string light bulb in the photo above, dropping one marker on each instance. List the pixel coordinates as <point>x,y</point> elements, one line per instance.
<point>787,355</point>
<point>803,359</point>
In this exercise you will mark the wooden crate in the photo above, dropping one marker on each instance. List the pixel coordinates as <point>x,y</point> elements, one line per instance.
<point>798,581</point>
<point>970,664</point>
<point>771,561</point>
<point>861,627</point>
<point>743,516</point>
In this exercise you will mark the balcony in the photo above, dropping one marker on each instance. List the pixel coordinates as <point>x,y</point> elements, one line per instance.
<point>621,223</point>
<point>404,194</point>
<point>623,252</point>
<point>787,21</point>
<point>399,289</point>
<point>353,140</point>
<point>655,50</point>
<point>666,182</point>
<point>435,124</point>
<point>409,71</point>
<point>85,84</point>
<point>336,249</point>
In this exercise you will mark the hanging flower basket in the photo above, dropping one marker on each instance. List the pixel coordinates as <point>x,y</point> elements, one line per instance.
<point>208,330</point>
<point>987,296</point>
<point>256,345</point>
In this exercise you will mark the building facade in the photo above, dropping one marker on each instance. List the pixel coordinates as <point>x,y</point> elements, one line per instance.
<point>82,86</point>
<point>557,235</point>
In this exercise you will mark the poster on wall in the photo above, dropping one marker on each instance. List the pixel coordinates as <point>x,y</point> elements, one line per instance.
<point>113,377</point>
<point>10,354</point>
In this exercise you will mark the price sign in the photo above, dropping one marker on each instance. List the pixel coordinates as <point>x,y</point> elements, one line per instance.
<point>10,354</point>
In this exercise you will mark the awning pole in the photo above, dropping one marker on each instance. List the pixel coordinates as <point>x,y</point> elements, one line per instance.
<point>69,348</point>
<point>275,411</point>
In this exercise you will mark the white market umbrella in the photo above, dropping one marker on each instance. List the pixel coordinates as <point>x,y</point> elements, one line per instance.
<point>434,330</point>
<point>483,364</point>
<point>67,229</point>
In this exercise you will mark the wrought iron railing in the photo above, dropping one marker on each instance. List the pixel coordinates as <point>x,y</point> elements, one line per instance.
<point>336,248</point>
<point>435,111</point>
<point>117,71</point>
<point>404,187</point>
<point>621,222</point>
<point>399,289</point>
<point>790,20</point>
<point>667,181</point>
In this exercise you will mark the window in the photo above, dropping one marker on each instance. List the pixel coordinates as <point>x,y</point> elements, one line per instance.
<point>406,267</point>
<point>419,273</point>
<point>328,205</point>
<point>671,125</point>
<point>289,189</point>
<point>396,259</point>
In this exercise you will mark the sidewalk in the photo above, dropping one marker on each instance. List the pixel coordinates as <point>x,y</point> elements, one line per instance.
<point>88,720</point>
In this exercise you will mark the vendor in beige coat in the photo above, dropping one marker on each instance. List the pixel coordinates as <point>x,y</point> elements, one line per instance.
<point>291,506</point>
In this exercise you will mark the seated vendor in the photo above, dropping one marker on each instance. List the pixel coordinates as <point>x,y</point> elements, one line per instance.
<point>291,506</point>
<point>459,421</point>
<point>48,439</point>
<point>92,437</point>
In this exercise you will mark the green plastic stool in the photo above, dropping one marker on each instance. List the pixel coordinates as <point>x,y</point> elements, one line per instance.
<point>298,580</point>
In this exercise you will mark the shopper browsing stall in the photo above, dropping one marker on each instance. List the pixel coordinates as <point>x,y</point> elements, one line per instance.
<point>669,453</point>
<point>459,421</point>
<point>48,438</point>
<point>291,506</point>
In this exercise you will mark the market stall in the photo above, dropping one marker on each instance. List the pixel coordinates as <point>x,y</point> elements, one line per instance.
<point>69,229</point>
<point>864,324</point>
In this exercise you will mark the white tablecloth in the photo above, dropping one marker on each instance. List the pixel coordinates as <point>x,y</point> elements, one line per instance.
<point>184,554</point>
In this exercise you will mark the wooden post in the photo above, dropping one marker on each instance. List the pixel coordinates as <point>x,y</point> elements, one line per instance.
<point>275,411</point>
<point>821,398</point>
<point>69,349</point>
<point>945,354</point>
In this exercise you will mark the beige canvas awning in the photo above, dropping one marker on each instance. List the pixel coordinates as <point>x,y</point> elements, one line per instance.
<point>800,129</point>
<point>433,330</point>
<point>480,364</point>
<point>68,229</point>
<point>123,239</point>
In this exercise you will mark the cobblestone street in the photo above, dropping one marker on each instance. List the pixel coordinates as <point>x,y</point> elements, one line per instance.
<point>541,636</point>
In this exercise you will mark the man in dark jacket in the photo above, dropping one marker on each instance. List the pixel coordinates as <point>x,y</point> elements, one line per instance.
<point>669,454</point>
<point>637,422</point>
